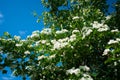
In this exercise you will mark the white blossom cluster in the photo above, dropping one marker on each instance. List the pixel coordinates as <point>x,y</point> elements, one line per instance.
<point>86,31</point>
<point>46,31</point>
<point>116,30</point>
<point>106,51</point>
<point>73,71</point>
<point>27,52</point>
<point>86,77</point>
<point>17,38</point>
<point>41,57</point>
<point>35,34</point>
<point>85,68</point>
<point>19,44</point>
<point>48,57</point>
<point>76,17</point>
<point>62,31</point>
<point>29,67</point>
<point>41,42</point>
<point>52,56</point>
<point>61,43</point>
<point>75,31</point>
<point>57,44</point>
<point>77,70</point>
<point>108,17</point>
<point>100,26</point>
<point>72,38</point>
<point>112,41</point>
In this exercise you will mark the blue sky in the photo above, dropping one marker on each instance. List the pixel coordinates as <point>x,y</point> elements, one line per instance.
<point>16,18</point>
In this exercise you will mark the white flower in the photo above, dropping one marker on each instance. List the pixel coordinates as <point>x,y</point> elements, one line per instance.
<point>100,26</point>
<point>108,17</point>
<point>86,31</point>
<point>46,31</point>
<point>112,42</point>
<point>86,68</point>
<point>57,45</point>
<point>53,41</point>
<point>36,32</point>
<point>27,52</point>
<point>65,39</point>
<point>29,67</point>
<point>115,63</point>
<point>87,0</point>
<point>116,30</point>
<point>18,45</point>
<point>64,44</point>
<point>52,56</point>
<point>76,17</point>
<point>75,31</point>
<point>62,31</point>
<point>96,25</point>
<point>117,39</point>
<point>30,46</point>
<point>47,43</point>
<point>41,57</point>
<point>34,35</point>
<point>72,38</point>
<point>43,41</point>
<point>73,71</point>
<point>17,37</point>
<point>103,29</point>
<point>37,43</point>
<point>70,25</point>
<point>23,40</point>
<point>59,32</point>
<point>71,47</point>
<point>106,51</point>
<point>86,77</point>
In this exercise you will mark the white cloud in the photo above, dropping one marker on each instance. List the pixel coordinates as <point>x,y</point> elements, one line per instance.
<point>1,18</point>
<point>1,15</point>
<point>22,32</point>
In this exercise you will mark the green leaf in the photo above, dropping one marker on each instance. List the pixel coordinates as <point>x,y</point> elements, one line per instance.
<point>1,66</point>
<point>4,72</point>
<point>6,34</point>
<point>35,14</point>
<point>109,60</point>
<point>1,59</point>
<point>13,65</point>
<point>38,20</point>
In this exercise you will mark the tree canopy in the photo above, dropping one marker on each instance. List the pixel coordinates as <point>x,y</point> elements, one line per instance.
<point>80,41</point>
